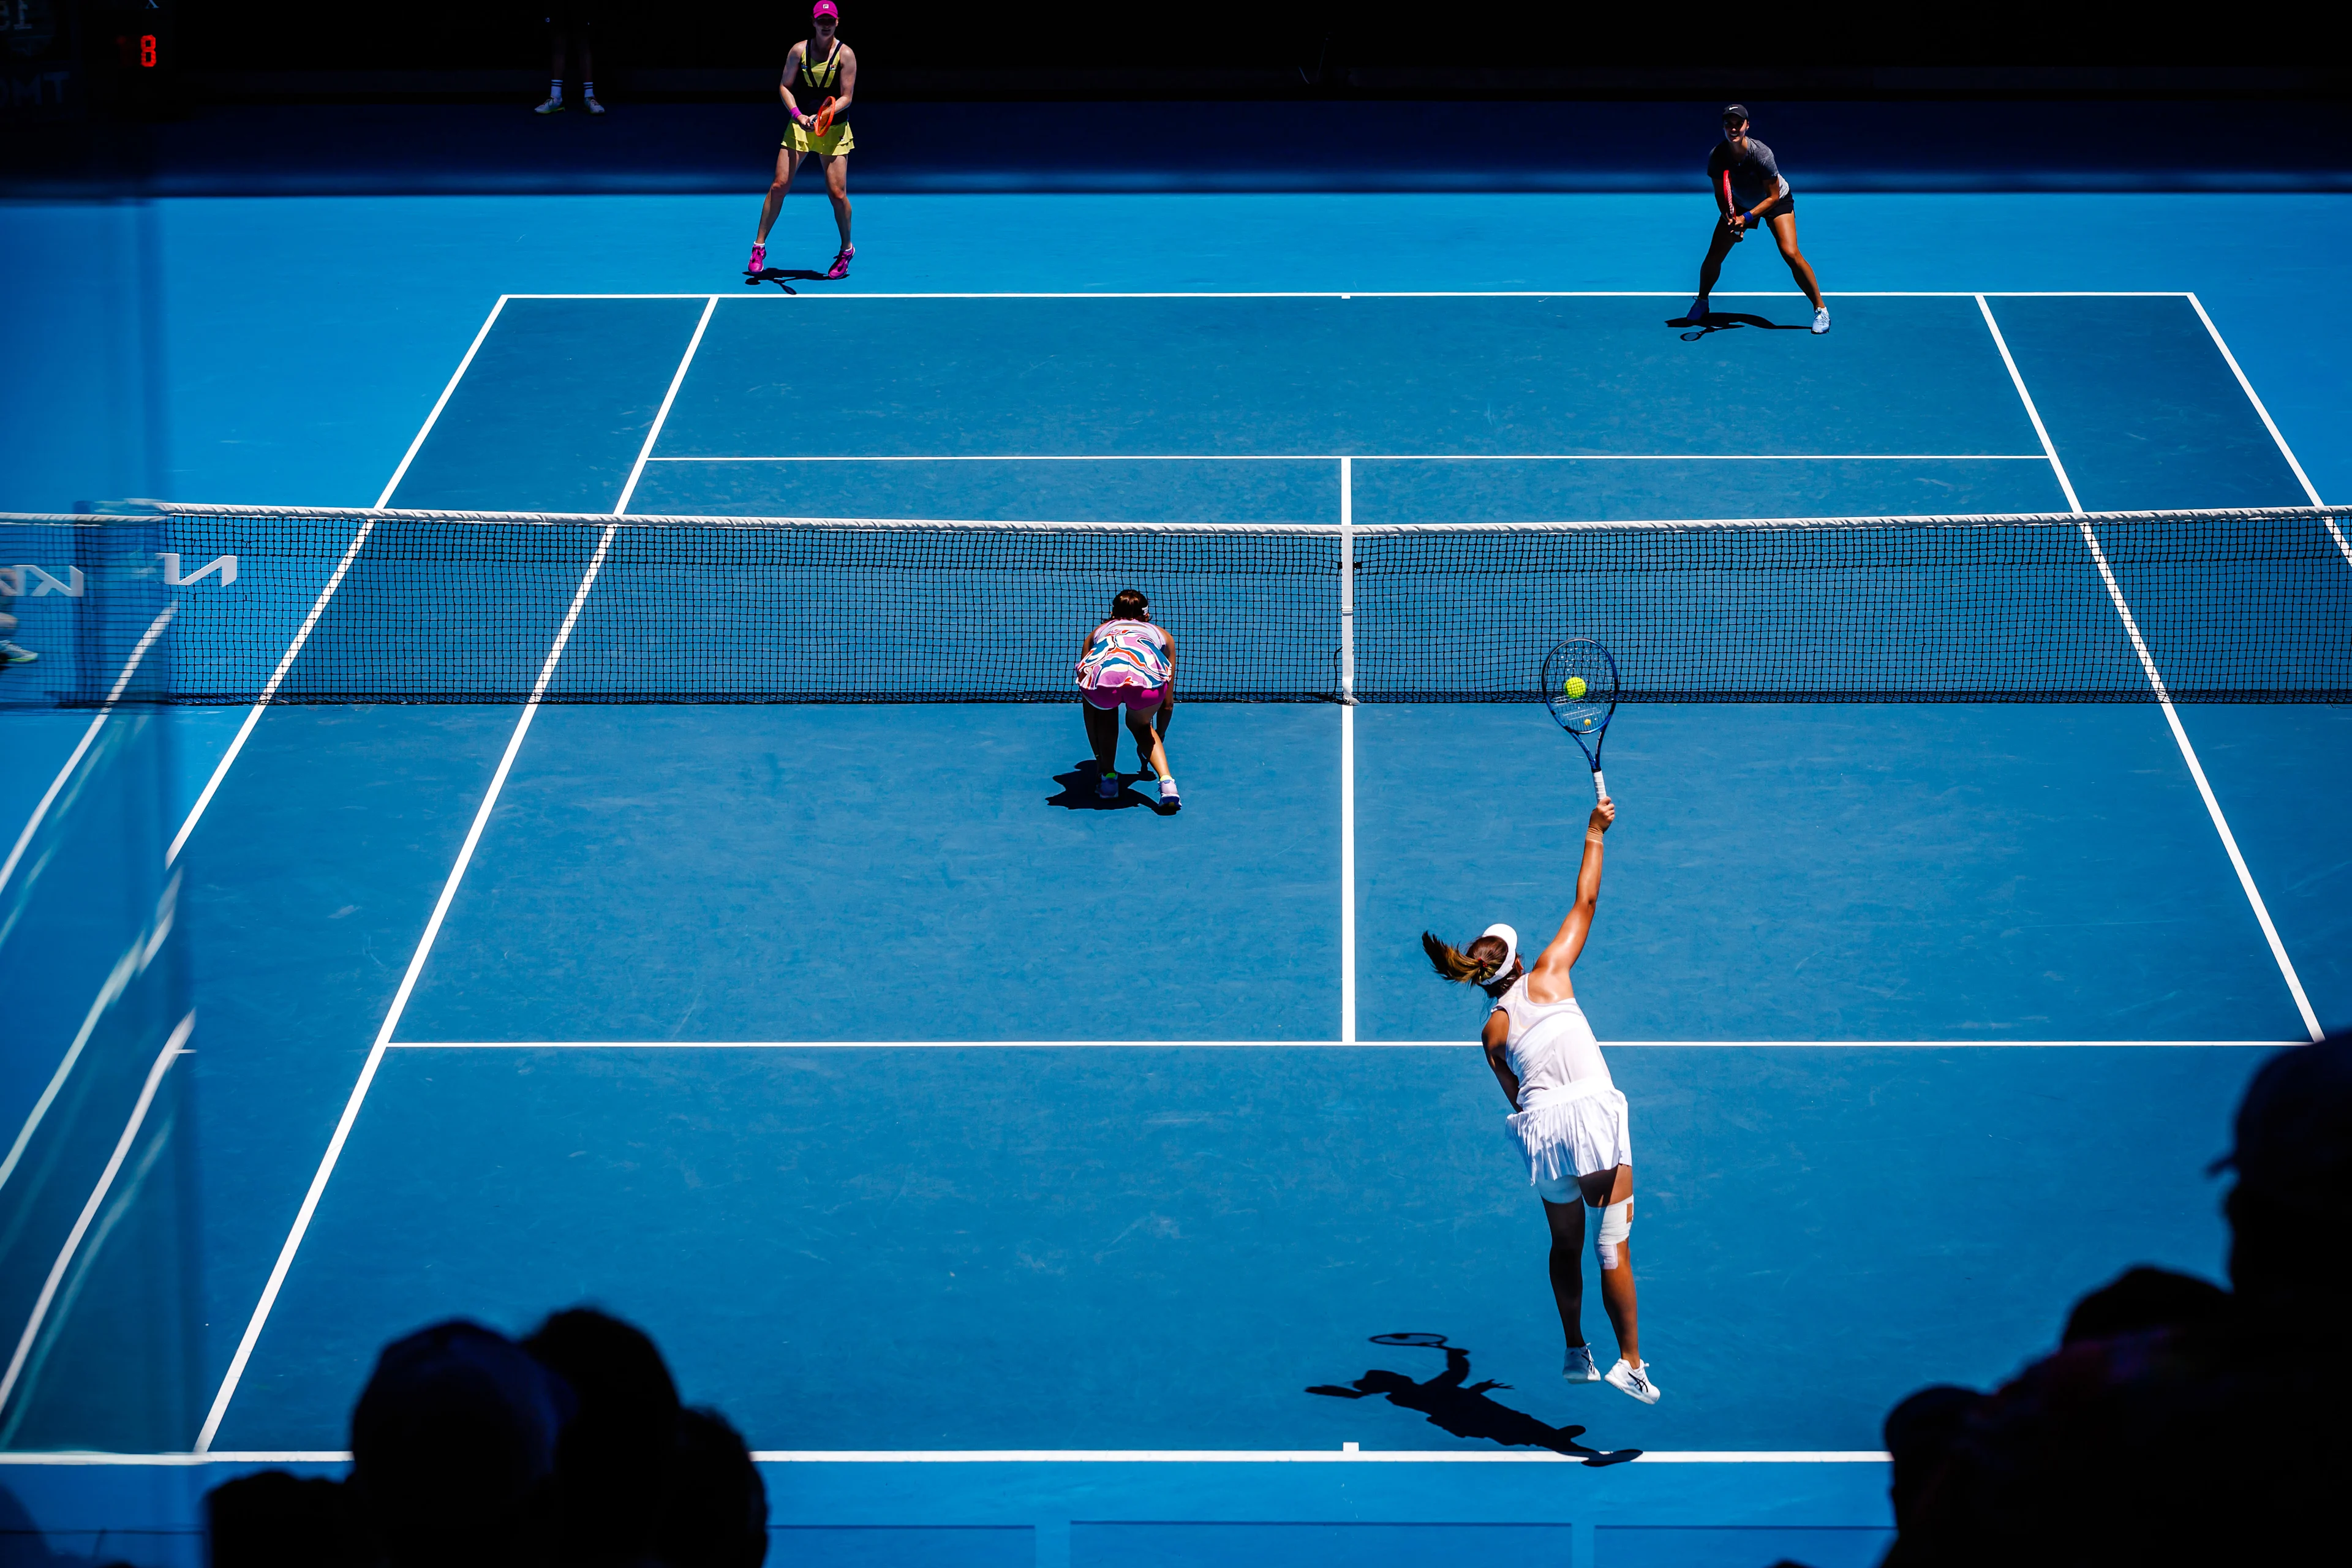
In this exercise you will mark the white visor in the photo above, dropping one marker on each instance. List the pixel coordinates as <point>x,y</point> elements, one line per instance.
<point>1510,948</point>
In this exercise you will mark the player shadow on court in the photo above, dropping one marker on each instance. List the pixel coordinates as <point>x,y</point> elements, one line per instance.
<point>1728,321</point>
<point>1078,792</point>
<point>777,275</point>
<point>1452,1403</point>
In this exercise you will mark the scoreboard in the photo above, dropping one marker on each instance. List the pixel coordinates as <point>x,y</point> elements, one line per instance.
<point>64,60</point>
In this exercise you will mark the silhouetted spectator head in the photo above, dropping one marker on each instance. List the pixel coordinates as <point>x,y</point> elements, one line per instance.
<point>718,1513</point>
<point>1918,1433</point>
<point>273,1519</point>
<point>612,1467</point>
<point>453,1443</point>
<point>2142,1299</point>
<point>2291,1211</point>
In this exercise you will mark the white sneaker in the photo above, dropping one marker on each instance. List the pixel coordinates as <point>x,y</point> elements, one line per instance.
<point>552,106</point>
<point>1821,320</point>
<point>1633,1379</point>
<point>11,654</point>
<point>1168,793</point>
<point>1579,1367</point>
<point>588,101</point>
<point>1107,787</point>
<point>1696,315</point>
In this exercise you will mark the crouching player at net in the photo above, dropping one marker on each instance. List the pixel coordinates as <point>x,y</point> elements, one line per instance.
<point>1568,1117</point>
<point>1129,663</point>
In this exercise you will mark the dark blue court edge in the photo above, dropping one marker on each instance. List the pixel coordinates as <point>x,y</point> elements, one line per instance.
<point>342,150</point>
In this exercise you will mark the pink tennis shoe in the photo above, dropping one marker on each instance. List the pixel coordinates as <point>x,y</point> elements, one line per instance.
<point>759,261</point>
<point>840,267</point>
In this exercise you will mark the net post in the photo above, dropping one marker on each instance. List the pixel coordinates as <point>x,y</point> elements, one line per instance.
<point>1348,580</point>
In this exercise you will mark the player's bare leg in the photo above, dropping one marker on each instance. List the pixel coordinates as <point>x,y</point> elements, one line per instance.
<point>788,164</point>
<point>1784,231</point>
<point>836,185</point>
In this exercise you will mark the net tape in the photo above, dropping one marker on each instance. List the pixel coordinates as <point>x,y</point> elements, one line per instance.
<point>2245,605</point>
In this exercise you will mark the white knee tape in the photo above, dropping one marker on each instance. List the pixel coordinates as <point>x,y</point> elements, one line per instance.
<point>1616,1225</point>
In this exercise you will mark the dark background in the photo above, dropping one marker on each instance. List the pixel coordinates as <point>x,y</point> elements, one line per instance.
<point>295,96</point>
<point>1055,49</point>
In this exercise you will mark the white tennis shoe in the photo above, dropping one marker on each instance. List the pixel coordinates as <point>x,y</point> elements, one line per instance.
<point>1579,1367</point>
<point>1821,320</point>
<point>1168,793</point>
<point>1633,1379</point>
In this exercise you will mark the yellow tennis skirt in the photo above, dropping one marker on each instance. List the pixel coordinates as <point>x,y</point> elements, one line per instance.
<point>838,139</point>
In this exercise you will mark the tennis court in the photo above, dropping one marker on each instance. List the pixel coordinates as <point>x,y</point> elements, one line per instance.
<point>1010,1169</point>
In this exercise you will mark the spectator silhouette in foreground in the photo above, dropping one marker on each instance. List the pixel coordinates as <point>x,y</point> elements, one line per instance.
<point>569,1450</point>
<point>453,1448</point>
<point>1466,1411</point>
<point>2177,1424</point>
<point>614,1461</point>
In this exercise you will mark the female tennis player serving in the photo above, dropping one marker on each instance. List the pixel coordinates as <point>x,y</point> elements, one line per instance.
<point>1751,194</point>
<point>1568,1119</point>
<point>820,79</point>
<point>1127,662</point>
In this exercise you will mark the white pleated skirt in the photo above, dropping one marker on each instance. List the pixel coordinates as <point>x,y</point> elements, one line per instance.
<point>1573,1133</point>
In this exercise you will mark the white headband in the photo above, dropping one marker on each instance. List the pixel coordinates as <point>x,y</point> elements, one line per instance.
<point>1511,949</point>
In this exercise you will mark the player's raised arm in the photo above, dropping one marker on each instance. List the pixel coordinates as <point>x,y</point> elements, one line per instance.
<point>1561,955</point>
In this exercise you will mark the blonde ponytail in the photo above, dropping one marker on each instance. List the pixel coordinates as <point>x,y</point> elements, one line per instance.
<point>1453,965</point>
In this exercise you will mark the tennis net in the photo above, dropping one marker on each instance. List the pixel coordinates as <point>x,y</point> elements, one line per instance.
<point>348,606</point>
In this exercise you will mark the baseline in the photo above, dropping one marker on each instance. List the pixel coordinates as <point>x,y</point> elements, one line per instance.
<point>1465,1044</point>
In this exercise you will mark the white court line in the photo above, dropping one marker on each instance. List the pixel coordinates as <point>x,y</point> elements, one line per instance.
<point>1438,294</point>
<point>2247,388</point>
<point>128,967</point>
<point>163,1059</point>
<point>1387,457</point>
<point>1467,1043</point>
<point>399,1005</point>
<point>81,748</point>
<point>442,402</point>
<point>2335,531</point>
<point>2163,697</point>
<point>319,607</point>
<point>661,417</point>
<point>1347,1456</point>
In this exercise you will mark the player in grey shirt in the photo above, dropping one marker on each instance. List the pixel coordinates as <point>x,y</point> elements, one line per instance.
<point>1751,193</point>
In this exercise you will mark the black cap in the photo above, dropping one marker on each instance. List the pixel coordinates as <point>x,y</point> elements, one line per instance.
<point>2295,1130</point>
<point>1734,112</point>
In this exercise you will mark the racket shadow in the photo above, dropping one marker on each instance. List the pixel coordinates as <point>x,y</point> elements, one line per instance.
<point>1731,321</point>
<point>1451,1402</point>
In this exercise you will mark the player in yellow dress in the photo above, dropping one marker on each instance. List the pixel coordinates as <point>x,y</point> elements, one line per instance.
<point>820,70</point>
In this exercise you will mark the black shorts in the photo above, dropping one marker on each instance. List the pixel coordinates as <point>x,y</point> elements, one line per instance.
<point>576,15</point>
<point>1783,205</point>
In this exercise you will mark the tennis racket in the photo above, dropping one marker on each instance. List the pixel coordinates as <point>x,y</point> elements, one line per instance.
<point>825,115</point>
<point>1580,686</point>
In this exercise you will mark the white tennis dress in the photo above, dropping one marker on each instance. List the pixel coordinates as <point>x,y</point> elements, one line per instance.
<point>1571,1120</point>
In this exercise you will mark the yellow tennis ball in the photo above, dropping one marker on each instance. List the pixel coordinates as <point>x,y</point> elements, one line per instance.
<point>1573,687</point>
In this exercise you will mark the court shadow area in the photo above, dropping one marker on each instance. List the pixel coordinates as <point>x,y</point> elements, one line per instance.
<point>1730,321</point>
<point>777,275</point>
<point>1078,792</point>
<point>1451,1401</point>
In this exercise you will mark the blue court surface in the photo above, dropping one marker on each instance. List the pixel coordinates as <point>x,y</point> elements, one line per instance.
<point>1011,1170</point>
